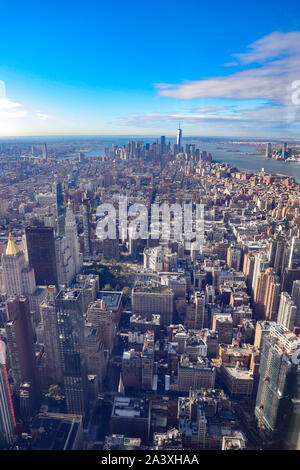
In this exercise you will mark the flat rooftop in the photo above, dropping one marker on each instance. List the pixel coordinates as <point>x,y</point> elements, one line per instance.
<point>111,298</point>
<point>129,407</point>
<point>68,294</point>
<point>239,373</point>
<point>55,431</point>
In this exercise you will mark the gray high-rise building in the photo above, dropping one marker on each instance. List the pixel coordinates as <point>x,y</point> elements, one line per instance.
<point>60,208</point>
<point>268,150</point>
<point>69,309</point>
<point>50,337</point>
<point>278,377</point>
<point>162,143</point>
<point>295,295</point>
<point>294,255</point>
<point>287,311</point>
<point>85,209</point>
<point>45,151</point>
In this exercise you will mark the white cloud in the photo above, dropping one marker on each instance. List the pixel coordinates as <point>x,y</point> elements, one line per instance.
<point>42,116</point>
<point>13,114</point>
<point>269,67</point>
<point>8,109</point>
<point>7,104</point>
<point>269,81</point>
<point>271,47</point>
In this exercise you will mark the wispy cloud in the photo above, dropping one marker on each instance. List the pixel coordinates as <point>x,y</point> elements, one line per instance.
<point>269,67</point>
<point>265,114</point>
<point>42,116</point>
<point>279,57</point>
<point>270,47</point>
<point>11,109</point>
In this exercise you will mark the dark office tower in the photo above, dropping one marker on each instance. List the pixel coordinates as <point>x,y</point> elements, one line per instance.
<point>41,254</point>
<point>27,401</point>
<point>7,414</point>
<point>20,341</point>
<point>284,150</point>
<point>45,151</point>
<point>289,276</point>
<point>163,143</point>
<point>296,299</point>
<point>69,309</point>
<point>81,157</point>
<point>292,438</point>
<point>294,255</point>
<point>279,255</point>
<point>85,209</point>
<point>280,358</point>
<point>50,337</point>
<point>60,208</point>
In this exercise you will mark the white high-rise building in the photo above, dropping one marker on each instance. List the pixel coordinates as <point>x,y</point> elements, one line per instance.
<point>18,276</point>
<point>261,263</point>
<point>68,257</point>
<point>287,311</point>
<point>72,237</point>
<point>64,261</point>
<point>179,139</point>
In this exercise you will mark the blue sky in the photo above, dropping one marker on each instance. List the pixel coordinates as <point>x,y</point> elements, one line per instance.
<point>140,67</point>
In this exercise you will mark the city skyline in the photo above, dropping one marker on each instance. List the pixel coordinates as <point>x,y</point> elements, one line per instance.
<point>149,228</point>
<point>78,79</point>
<point>184,336</point>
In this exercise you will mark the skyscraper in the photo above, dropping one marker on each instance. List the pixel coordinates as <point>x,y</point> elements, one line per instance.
<point>179,139</point>
<point>19,278</point>
<point>287,311</point>
<point>60,208</point>
<point>41,254</point>
<point>72,237</point>
<point>278,376</point>
<point>7,414</point>
<point>294,255</point>
<point>85,208</point>
<point>296,299</point>
<point>50,337</point>
<point>268,150</point>
<point>45,151</point>
<point>100,317</point>
<point>20,344</point>
<point>71,343</point>
<point>148,360</point>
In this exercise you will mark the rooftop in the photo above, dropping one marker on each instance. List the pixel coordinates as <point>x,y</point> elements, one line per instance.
<point>128,407</point>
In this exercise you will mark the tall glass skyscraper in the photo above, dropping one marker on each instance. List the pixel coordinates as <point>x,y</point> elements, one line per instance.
<point>179,139</point>
<point>69,309</point>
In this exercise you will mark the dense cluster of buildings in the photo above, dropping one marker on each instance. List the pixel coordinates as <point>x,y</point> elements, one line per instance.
<point>200,350</point>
